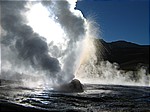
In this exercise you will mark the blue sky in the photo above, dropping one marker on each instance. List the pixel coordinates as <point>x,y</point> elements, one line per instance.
<point>119,19</point>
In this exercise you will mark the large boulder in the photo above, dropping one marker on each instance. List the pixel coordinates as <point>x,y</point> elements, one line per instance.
<point>74,86</point>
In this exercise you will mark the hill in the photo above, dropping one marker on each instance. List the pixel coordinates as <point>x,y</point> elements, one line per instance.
<point>129,56</point>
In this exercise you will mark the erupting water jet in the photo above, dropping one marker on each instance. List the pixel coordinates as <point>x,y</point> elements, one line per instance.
<point>52,40</point>
<point>44,36</point>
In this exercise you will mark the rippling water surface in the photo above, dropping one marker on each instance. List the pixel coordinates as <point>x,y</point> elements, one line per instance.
<point>94,98</point>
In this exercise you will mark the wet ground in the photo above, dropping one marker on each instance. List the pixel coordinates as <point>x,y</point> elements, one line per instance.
<point>95,98</point>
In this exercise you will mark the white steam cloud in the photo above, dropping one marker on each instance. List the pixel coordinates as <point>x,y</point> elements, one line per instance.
<point>51,42</point>
<point>41,38</point>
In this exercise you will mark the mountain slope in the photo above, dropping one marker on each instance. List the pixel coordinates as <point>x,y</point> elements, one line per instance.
<point>128,55</point>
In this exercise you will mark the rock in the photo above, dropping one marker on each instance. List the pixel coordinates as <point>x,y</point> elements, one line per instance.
<point>74,86</point>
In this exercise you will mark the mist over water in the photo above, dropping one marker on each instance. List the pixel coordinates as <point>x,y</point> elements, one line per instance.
<point>51,42</point>
<point>94,72</point>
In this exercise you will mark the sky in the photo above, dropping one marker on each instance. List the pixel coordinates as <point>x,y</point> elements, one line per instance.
<point>119,19</point>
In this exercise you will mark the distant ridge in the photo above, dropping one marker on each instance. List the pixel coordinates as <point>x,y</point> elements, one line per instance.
<point>124,44</point>
<point>129,56</point>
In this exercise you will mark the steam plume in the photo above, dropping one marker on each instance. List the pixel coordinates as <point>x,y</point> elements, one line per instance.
<point>51,38</point>
<point>27,49</point>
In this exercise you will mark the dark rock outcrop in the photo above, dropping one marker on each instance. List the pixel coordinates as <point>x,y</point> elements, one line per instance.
<point>71,87</point>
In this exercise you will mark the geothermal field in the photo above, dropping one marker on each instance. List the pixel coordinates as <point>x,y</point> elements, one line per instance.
<point>53,59</point>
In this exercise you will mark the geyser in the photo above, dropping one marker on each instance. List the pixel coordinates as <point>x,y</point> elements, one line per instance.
<point>52,40</point>
<point>41,38</point>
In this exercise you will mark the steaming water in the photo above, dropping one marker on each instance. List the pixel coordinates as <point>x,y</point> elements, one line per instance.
<point>51,40</point>
<point>114,98</point>
<point>48,43</point>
